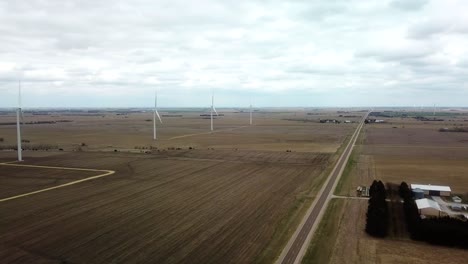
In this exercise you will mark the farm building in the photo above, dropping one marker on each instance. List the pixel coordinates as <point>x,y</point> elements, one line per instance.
<point>429,207</point>
<point>433,190</point>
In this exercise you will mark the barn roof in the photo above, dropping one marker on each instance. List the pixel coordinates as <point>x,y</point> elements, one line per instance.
<point>426,203</point>
<point>431,187</point>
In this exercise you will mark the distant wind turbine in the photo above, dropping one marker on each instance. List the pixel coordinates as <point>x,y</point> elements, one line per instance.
<point>155,113</point>
<point>19,115</point>
<point>213,109</point>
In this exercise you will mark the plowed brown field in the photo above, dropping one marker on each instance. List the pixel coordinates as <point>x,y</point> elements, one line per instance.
<point>157,209</point>
<point>19,180</point>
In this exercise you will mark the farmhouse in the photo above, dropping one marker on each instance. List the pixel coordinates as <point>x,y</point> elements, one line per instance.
<point>329,121</point>
<point>433,190</point>
<point>429,207</point>
<point>371,120</point>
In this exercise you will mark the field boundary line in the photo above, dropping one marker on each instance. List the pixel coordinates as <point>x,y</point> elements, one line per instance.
<point>206,133</point>
<point>104,174</point>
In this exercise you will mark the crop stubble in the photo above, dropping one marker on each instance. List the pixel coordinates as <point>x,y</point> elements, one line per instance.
<point>155,209</point>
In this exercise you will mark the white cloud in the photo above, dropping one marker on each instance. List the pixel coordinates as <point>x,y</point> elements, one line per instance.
<point>258,47</point>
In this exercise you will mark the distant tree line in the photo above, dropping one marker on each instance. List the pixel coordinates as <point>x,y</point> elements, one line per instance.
<point>454,129</point>
<point>34,147</point>
<point>377,210</point>
<point>447,231</point>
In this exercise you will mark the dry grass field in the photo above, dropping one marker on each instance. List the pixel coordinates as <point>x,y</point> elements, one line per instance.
<point>400,150</point>
<point>235,197</point>
<point>410,151</point>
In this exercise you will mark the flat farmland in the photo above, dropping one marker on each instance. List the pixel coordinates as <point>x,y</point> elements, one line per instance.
<point>160,209</point>
<point>400,150</point>
<point>234,195</point>
<point>272,131</point>
<point>19,180</point>
<point>413,152</point>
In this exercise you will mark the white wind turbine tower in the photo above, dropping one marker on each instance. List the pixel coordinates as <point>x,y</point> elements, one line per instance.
<point>19,115</point>
<point>155,113</point>
<point>213,109</point>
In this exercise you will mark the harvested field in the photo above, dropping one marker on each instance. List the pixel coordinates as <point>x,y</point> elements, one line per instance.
<point>109,131</point>
<point>19,180</point>
<point>234,195</point>
<point>157,209</point>
<point>253,156</point>
<point>414,152</point>
<point>414,136</point>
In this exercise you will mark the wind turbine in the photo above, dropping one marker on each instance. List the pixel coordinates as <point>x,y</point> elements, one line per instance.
<point>212,109</point>
<point>19,115</point>
<point>155,113</point>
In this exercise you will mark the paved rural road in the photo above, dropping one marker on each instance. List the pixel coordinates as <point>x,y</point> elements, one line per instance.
<point>295,249</point>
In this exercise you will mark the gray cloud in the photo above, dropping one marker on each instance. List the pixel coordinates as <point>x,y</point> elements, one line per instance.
<point>410,5</point>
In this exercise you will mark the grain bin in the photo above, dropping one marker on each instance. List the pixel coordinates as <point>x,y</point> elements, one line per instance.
<point>418,194</point>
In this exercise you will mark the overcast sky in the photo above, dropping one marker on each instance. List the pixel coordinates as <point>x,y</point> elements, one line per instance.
<point>273,53</point>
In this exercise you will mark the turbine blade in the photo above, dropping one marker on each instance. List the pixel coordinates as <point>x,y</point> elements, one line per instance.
<point>158,116</point>
<point>214,109</point>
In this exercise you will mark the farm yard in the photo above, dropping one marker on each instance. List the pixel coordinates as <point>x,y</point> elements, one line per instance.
<point>234,196</point>
<point>398,150</point>
<point>350,243</point>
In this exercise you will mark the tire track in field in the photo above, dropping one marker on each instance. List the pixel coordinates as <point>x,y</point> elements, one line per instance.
<point>103,174</point>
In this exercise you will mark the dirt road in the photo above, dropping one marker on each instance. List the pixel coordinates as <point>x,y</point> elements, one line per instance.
<point>295,249</point>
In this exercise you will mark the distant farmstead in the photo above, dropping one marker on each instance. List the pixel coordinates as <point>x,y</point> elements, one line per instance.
<point>371,120</point>
<point>334,121</point>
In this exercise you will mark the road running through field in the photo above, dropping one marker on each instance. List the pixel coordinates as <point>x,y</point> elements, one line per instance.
<point>103,173</point>
<point>297,245</point>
